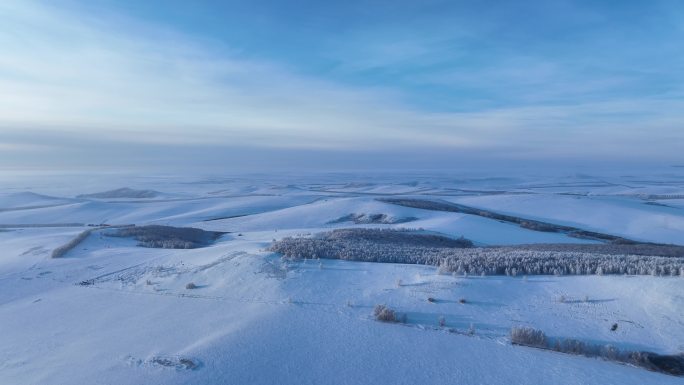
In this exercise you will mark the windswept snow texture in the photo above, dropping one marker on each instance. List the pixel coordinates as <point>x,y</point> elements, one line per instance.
<point>111,312</point>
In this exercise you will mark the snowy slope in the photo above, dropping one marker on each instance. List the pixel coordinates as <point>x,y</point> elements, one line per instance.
<point>164,211</point>
<point>319,214</point>
<point>251,322</point>
<point>628,217</point>
<point>110,312</point>
<point>29,199</point>
<point>22,248</point>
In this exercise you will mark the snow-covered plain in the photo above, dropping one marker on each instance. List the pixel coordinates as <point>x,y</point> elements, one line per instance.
<point>110,312</point>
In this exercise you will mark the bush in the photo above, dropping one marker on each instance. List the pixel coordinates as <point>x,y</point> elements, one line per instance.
<point>528,337</point>
<point>191,286</point>
<point>384,314</point>
<point>175,362</point>
<point>668,364</point>
<point>471,330</point>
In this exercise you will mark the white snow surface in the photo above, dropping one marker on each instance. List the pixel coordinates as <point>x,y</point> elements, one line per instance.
<point>255,319</point>
<point>624,216</point>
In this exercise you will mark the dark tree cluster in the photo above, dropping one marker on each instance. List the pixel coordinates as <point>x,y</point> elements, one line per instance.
<point>380,219</point>
<point>168,237</point>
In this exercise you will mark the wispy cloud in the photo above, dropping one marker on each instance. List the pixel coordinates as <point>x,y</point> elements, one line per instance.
<point>111,79</point>
<point>65,72</point>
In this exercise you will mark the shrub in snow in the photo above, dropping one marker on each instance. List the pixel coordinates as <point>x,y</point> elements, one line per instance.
<point>669,364</point>
<point>384,314</point>
<point>191,286</point>
<point>574,346</point>
<point>175,362</point>
<point>609,352</point>
<point>471,330</point>
<point>441,321</point>
<point>528,337</point>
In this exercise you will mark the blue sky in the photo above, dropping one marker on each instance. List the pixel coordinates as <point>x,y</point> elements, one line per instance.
<point>335,84</point>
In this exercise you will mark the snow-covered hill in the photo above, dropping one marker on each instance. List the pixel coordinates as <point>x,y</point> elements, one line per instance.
<point>625,216</point>
<point>110,312</point>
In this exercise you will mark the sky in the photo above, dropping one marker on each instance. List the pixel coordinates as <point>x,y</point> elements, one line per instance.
<point>260,85</point>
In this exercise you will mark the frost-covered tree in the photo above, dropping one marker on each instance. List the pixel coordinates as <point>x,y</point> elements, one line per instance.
<point>457,256</point>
